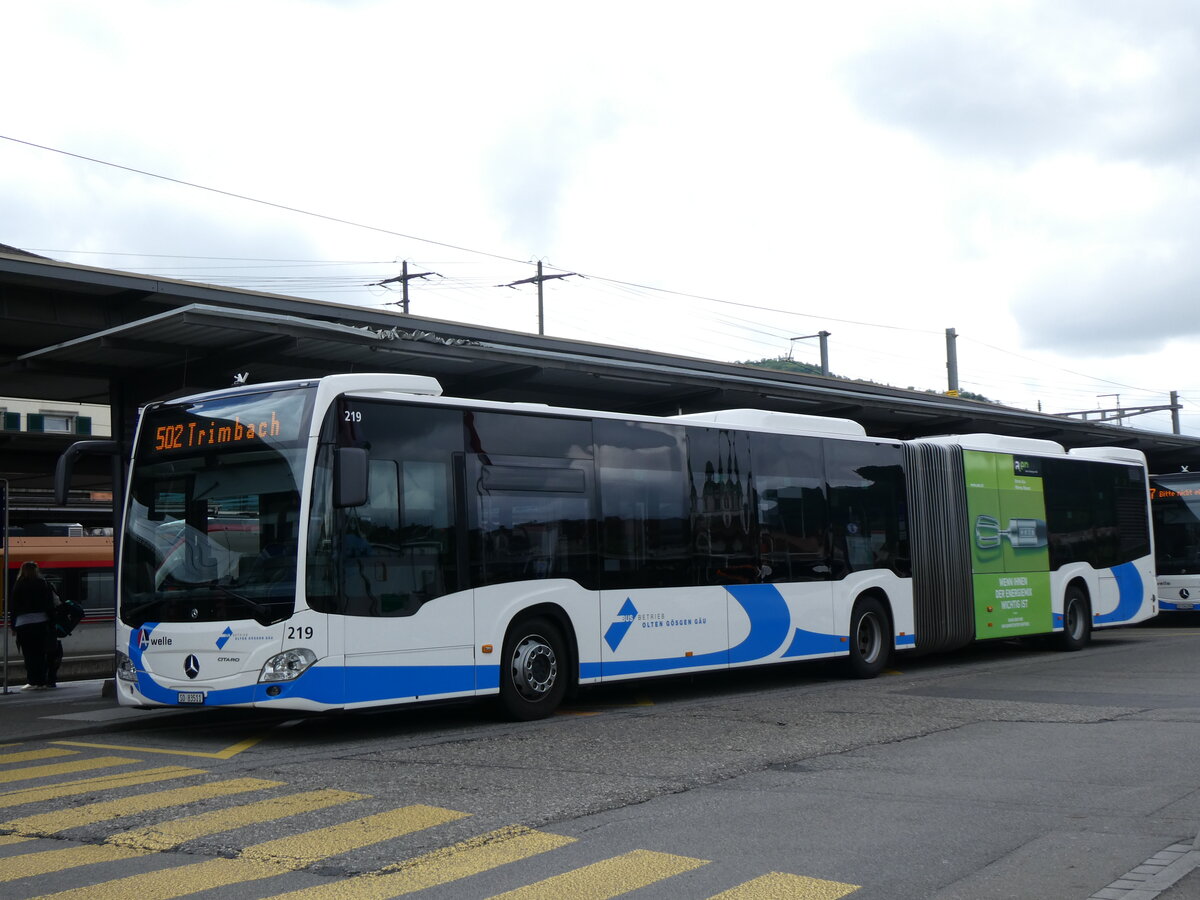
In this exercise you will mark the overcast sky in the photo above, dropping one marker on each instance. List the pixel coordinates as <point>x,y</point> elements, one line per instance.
<point>722,177</point>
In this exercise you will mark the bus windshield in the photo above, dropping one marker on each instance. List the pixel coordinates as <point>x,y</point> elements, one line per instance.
<point>1176,508</point>
<point>213,512</point>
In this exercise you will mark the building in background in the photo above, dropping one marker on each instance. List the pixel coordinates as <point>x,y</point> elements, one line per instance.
<point>54,417</point>
<point>33,434</point>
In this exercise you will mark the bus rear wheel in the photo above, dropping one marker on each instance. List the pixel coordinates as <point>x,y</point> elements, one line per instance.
<point>869,638</point>
<point>1077,620</point>
<point>533,670</point>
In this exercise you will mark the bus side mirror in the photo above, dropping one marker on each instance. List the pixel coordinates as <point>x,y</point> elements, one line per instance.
<point>349,477</point>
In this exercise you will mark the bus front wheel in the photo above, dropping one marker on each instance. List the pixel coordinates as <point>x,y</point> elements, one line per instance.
<point>869,638</point>
<point>533,670</point>
<point>1077,620</point>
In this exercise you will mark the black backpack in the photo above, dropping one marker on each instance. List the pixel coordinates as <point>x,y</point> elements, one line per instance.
<point>67,615</point>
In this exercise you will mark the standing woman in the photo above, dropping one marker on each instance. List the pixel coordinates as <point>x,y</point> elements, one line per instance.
<point>32,606</point>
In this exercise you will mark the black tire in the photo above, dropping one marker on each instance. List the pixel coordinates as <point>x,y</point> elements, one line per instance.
<point>870,638</point>
<point>1077,620</point>
<point>533,670</point>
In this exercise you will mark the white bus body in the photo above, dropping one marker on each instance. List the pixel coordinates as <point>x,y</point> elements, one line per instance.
<point>360,540</point>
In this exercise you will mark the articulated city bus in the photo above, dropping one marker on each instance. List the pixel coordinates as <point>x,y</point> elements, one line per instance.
<point>1175,505</point>
<point>361,540</point>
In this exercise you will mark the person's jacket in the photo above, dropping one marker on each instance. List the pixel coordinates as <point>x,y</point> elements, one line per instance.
<point>31,595</point>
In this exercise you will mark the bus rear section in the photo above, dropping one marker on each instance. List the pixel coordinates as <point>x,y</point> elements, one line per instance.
<point>1017,537</point>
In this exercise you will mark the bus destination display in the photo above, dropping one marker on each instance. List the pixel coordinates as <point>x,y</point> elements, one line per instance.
<point>190,434</point>
<point>228,423</point>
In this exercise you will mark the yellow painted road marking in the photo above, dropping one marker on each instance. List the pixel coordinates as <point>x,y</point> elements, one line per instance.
<point>466,858</point>
<point>608,878</point>
<point>91,813</point>
<point>88,785</point>
<point>143,842</point>
<point>6,839</point>
<point>168,835</point>
<point>27,755</point>
<point>227,753</point>
<point>264,860</point>
<point>57,769</point>
<point>170,883</point>
<point>302,850</point>
<point>28,865</point>
<point>783,886</point>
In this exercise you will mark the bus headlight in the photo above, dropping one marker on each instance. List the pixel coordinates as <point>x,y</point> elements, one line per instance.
<point>126,671</point>
<point>288,665</point>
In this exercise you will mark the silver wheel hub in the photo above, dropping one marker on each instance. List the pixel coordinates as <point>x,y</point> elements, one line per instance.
<point>534,667</point>
<point>869,638</point>
<point>1074,620</point>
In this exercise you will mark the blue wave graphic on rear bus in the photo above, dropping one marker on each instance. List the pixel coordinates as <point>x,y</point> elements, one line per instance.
<point>1130,592</point>
<point>770,627</point>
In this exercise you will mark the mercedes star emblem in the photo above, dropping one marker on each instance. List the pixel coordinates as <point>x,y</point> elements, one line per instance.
<point>191,666</point>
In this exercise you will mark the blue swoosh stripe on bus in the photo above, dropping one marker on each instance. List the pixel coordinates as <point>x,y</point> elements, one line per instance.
<point>1130,592</point>
<point>363,684</point>
<point>769,621</point>
<point>335,686</point>
<point>815,643</point>
<point>395,682</point>
<point>811,643</point>
<point>640,666</point>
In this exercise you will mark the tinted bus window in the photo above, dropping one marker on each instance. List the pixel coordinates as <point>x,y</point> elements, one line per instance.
<point>517,434</point>
<point>644,505</point>
<point>722,520</point>
<point>1070,511</point>
<point>533,519</point>
<point>1129,495</point>
<point>866,507</point>
<point>1095,512</point>
<point>399,550</point>
<point>792,507</point>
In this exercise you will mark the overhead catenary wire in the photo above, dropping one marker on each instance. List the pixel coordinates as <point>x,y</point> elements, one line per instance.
<point>464,289</point>
<point>381,230</point>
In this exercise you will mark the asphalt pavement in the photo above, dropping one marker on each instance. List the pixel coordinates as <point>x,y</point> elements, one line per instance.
<point>73,708</point>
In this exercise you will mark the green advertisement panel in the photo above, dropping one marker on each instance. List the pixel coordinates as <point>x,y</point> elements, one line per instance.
<point>1010,559</point>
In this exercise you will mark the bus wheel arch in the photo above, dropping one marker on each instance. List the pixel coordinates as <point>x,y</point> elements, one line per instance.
<point>536,664</point>
<point>1077,616</point>
<point>871,635</point>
